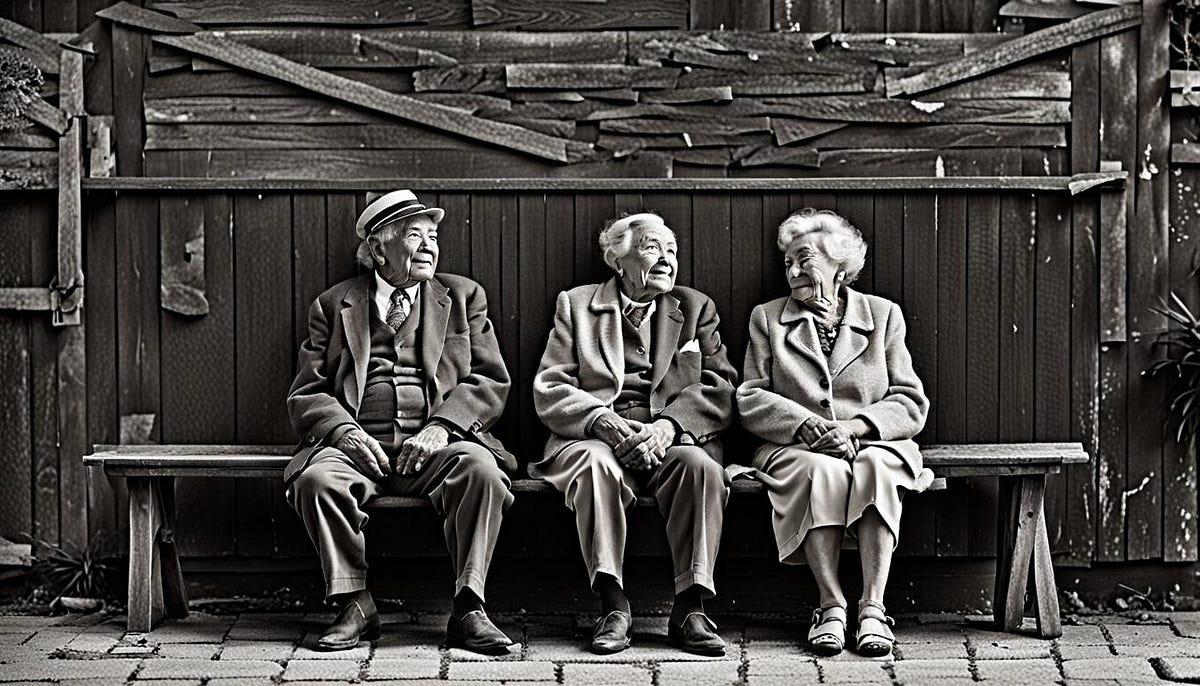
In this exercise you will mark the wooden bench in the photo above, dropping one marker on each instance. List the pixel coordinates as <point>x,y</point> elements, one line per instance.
<point>156,587</point>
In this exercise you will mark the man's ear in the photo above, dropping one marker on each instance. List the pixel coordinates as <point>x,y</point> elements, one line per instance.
<point>373,247</point>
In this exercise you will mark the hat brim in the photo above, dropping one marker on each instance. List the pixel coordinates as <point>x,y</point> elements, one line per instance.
<point>434,213</point>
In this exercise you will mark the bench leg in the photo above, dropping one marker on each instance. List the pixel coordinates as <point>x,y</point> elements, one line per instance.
<point>1023,542</point>
<point>155,577</point>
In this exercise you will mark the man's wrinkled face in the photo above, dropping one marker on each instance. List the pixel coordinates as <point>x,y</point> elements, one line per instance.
<point>650,266</point>
<point>412,253</point>
<point>811,274</point>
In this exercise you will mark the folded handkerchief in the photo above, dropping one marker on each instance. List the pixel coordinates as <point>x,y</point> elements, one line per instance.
<point>692,346</point>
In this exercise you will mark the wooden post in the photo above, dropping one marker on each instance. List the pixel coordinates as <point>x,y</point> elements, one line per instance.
<point>174,591</point>
<point>145,574</point>
<point>1024,544</point>
<point>69,281</point>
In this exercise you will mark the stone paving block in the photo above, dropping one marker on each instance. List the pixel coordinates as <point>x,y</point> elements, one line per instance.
<point>1082,635</point>
<point>502,671</point>
<point>462,655</point>
<point>89,643</point>
<point>404,668</point>
<point>307,650</point>
<point>833,672</point>
<point>1070,652</point>
<point>931,651</point>
<point>576,651</point>
<point>189,651</point>
<point>1139,634</point>
<point>1109,668</point>
<point>15,637</point>
<point>141,650</point>
<point>257,650</point>
<point>173,682</point>
<point>803,670</point>
<point>769,648</point>
<point>35,670</point>
<point>920,671</point>
<point>321,670</point>
<point>396,647</point>
<point>30,623</point>
<point>697,674</point>
<point>260,630</point>
<point>207,669</point>
<point>411,639</point>
<point>1003,652</point>
<point>1180,647</point>
<point>1180,668</point>
<point>52,638</point>
<point>228,682</point>
<point>1188,628</point>
<point>578,674</point>
<point>19,653</point>
<point>1019,671</point>
<point>196,628</point>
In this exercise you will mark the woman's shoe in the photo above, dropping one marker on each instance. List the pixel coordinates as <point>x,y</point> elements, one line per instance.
<point>874,638</point>
<point>827,635</point>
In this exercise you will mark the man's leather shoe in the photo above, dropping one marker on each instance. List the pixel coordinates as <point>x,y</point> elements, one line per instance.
<point>474,631</point>
<point>697,635</point>
<point>358,620</point>
<point>611,634</point>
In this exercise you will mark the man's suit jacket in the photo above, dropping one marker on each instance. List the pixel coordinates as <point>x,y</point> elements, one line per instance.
<point>869,374</point>
<point>583,367</point>
<point>466,380</point>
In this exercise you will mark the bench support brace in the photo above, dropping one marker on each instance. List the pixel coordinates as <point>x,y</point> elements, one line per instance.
<point>155,578</point>
<point>1024,544</point>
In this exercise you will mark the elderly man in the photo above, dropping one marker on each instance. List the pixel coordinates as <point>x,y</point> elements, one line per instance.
<point>635,387</point>
<point>395,388</point>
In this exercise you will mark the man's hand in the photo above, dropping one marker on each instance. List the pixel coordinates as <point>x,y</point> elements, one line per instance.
<point>417,450</point>
<point>640,451</point>
<point>365,452</point>
<point>665,434</point>
<point>611,428</point>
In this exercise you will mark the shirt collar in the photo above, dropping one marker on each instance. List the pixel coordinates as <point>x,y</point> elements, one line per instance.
<point>628,303</point>
<point>384,290</point>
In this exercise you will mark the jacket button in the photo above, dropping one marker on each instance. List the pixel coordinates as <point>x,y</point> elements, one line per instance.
<point>641,350</point>
<point>311,440</point>
<point>825,402</point>
<point>824,383</point>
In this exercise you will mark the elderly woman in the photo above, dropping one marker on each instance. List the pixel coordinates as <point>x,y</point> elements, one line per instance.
<point>635,387</point>
<point>830,387</point>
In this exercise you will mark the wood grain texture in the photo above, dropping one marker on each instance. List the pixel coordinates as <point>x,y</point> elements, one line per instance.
<point>1085,28</point>
<point>983,356</point>
<point>128,14</point>
<point>942,136</point>
<point>348,90</point>
<point>16,459</point>
<point>253,136</point>
<point>221,12</point>
<point>580,16</point>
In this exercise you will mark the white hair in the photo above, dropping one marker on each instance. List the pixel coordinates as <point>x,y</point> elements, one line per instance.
<point>385,234</point>
<point>616,238</point>
<point>840,239</point>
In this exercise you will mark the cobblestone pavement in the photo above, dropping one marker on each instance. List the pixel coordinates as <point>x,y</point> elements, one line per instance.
<point>277,647</point>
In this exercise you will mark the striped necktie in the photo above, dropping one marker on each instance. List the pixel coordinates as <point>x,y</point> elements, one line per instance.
<point>636,313</point>
<point>399,309</point>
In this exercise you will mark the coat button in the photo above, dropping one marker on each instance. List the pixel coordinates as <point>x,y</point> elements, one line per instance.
<point>641,350</point>
<point>824,383</point>
<point>311,440</point>
<point>825,402</point>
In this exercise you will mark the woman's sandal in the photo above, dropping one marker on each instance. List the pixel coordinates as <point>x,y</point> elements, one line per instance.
<point>874,637</point>
<point>827,635</point>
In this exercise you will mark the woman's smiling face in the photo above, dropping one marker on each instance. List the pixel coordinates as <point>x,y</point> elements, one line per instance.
<point>650,266</point>
<point>811,274</point>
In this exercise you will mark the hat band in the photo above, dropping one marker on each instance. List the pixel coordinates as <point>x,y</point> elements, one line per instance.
<point>400,213</point>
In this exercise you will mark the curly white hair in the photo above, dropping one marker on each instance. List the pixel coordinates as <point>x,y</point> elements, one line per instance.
<point>840,239</point>
<point>616,238</point>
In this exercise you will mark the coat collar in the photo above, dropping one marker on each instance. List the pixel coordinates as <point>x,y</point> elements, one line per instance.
<point>668,322</point>
<point>857,323</point>
<point>356,321</point>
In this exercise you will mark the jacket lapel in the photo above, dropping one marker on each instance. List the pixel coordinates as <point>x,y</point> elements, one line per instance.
<point>802,333</point>
<point>356,322</point>
<point>853,339</point>
<point>668,322</point>
<point>435,315</point>
<point>606,304</point>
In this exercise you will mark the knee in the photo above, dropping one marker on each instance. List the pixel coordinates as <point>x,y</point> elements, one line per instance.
<point>828,470</point>
<point>315,482</point>
<point>694,460</point>
<point>478,463</point>
<point>599,463</point>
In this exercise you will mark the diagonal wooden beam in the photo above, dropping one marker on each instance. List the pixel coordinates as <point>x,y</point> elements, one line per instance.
<point>214,47</point>
<point>44,50</point>
<point>1085,28</point>
<point>129,14</point>
<point>47,115</point>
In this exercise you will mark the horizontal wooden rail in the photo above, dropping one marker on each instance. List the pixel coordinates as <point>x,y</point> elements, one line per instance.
<point>985,184</point>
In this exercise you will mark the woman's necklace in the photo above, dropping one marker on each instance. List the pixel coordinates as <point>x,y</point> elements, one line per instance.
<point>827,333</point>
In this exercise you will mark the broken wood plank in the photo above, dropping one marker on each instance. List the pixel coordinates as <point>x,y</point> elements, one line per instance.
<point>206,110</point>
<point>26,140</point>
<point>349,12</point>
<point>728,125</point>
<point>347,90</point>
<point>580,16</point>
<point>1185,153</point>
<point>128,14</point>
<point>562,76</point>
<point>779,84</point>
<point>236,83</point>
<point>625,142</point>
<point>1044,9</point>
<point>47,115</point>
<point>43,51</point>
<point>102,159</point>
<point>69,275</point>
<point>28,170</point>
<point>689,95</point>
<point>405,55</point>
<point>784,157</point>
<point>1185,99</point>
<point>863,109</point>
<point>465,78</point>
<point>265,136</point>
<point>25,299</point>
<point>943,136</point>
<point>1011,83</point>
<point>1083,29</point>
<point>703,157</point>
<point>788,131</point>
<point>906,162</point>
<point>1185,79</point>
<point>559,128</point>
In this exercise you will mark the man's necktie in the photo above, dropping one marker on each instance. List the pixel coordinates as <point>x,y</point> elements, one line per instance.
<point>399,309</point>
<point>636,314</point>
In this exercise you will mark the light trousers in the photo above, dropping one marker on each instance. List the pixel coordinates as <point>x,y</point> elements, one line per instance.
<point>689,486</point>
<point>463,481</point>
